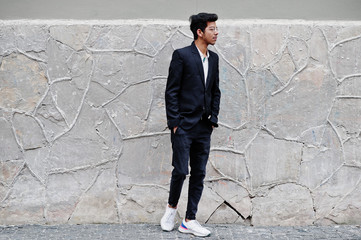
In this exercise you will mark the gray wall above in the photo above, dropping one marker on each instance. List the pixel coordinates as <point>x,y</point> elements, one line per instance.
<point>176,9</point>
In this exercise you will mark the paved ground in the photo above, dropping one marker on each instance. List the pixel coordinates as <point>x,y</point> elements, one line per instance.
<point>149,231</point>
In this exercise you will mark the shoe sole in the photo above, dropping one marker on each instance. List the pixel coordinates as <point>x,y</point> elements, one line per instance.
<point>166,230</point>
<point>182,230</point>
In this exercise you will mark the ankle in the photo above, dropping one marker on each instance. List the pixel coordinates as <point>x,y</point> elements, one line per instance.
<point>172,206</point>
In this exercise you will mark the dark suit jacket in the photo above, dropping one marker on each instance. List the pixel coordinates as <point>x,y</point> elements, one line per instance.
<point>187,97</point>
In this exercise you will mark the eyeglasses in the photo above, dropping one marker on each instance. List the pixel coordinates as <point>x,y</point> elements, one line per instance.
<point>213,29</point>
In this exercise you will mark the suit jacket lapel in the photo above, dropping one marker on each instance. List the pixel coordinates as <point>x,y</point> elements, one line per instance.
<point>198,62</point>
<point>210,67</point>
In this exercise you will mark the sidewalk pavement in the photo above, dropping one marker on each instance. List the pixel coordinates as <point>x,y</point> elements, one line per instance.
<point>152,231</point>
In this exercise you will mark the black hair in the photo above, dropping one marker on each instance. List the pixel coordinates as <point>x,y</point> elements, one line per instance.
<point>200,20</point>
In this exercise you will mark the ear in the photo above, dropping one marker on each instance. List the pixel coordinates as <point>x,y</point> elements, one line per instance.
<point>199,33</point>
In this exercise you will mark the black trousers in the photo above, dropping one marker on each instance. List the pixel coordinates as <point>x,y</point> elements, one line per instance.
<point>190,147</point>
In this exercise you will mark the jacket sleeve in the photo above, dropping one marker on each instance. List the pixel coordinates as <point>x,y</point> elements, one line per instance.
<point>216,98</point>
<point>172,90</point>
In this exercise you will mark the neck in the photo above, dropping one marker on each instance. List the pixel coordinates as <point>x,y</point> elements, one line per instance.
<point>201,45</point>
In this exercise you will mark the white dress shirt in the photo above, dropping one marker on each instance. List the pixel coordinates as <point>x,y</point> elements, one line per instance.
<point>205,64</point>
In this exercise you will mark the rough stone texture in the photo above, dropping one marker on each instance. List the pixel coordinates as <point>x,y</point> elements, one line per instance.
<point>83,135</point>
<point>23,83</point>
<point>287,204</point>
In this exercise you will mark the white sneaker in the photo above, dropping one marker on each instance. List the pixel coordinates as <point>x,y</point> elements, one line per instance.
<point>167,222</point>
<point>194,228</point>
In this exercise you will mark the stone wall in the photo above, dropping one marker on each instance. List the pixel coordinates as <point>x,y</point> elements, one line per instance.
<point>83,135</point>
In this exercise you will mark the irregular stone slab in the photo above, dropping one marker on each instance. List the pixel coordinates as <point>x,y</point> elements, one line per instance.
<point>345,116</point>
<point>273,161</point>
<point>229,164</point>
<point>80,65</point>
<point>221,136</point>
<point>153,152</point>
<point>98,203</point>
<point>234,103</point>
<point>28,132</point>
<point>316,165</point>
<point>7,40</point>
<point>8,171</point>
<point>224,215</point>
<point>144,70</point>
<point>61,199</point>
<point>163,59</point>
<point>313,136</point>
<point>9,148</point>
<point>344,58</point>
<point>157,119</point>
<point>21,87</point>
<point>261,84</point>
<point>68,99</point>
<point>31,38</point>
<point>299,51</point>
<point>318,46</point>
<point>292,111</point>
<point>284,68</point>
<point>37,160</point>
<point>235,195</point>
<point>129,111</point>
<point>183,37</point>
<point>98,95</point>
<point>73,36</point>
<point>78,154</point>
<point>233,45</point>
<point>114,38</point>
<point>352,151</point>
<point>284,205</point>
<point>300,31</point>
<point>50,117</point>
<point>109,72</point>
<point>25,203</point>
<point>234,139</point>
<point>92,140</point>
<point>336,199</point>
<point>340,33</point>
<point>266,43</point>
<point>142,204</point>
<point>152,38</point>
<point>350,87</point>
<point>68,95</point>
<point>348,211</point>
<point>58,54</point>
<point>116,71</point>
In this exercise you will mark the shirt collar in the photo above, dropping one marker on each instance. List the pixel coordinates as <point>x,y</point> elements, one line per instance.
<point>201,54</point>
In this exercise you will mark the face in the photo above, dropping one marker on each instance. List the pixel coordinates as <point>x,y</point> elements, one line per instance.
<point>210,33</point>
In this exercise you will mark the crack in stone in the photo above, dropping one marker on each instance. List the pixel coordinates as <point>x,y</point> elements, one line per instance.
<point>340,201</point>
<point>225,177</point>
<point>80,168</point>
<point>344,41</point>
<point>13,182</point>
<point>146,135</point>
<point>80,105</point>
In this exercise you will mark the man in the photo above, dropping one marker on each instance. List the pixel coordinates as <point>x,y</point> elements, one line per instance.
<point>192,99</point>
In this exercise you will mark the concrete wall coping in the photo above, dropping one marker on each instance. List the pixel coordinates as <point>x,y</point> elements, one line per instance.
<point>228,22</point>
